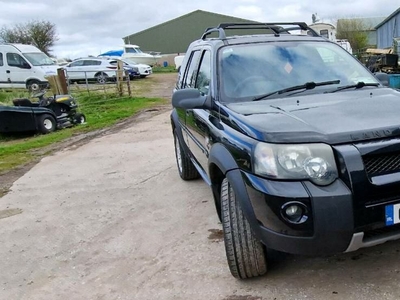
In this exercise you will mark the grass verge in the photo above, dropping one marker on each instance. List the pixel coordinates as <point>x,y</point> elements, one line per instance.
<point>100,111</point>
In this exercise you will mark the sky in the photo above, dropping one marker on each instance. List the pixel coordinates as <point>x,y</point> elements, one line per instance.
<point>91,27</point>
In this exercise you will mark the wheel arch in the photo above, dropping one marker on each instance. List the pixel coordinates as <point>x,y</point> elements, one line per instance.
<point>221,165</point>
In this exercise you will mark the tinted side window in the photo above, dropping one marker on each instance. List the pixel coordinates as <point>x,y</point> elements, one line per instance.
<point>190,75</point>
<point>15,60</point>
<point>1,59</point>
<point>204,74</point>
<point>91,62</point>
<point>77,63</point>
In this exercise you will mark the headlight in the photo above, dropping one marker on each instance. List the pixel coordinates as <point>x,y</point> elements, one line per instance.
<point>304,161</point>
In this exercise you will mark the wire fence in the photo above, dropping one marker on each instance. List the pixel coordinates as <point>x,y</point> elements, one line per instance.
<point>108,82</point>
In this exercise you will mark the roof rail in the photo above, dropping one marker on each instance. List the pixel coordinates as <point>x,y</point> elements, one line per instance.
<point>275,27</point>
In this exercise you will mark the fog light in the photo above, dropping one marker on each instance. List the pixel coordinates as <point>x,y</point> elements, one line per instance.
<point>295,212</point>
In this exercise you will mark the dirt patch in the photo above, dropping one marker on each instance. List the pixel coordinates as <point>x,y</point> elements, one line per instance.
<point>156,86</point>
<point>216,235</point>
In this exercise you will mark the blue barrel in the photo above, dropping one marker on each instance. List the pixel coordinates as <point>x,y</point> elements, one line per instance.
<point>394,81</point>
<point>165,64</point>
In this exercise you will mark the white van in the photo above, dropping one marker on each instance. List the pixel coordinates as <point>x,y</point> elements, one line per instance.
<point>24,66</point>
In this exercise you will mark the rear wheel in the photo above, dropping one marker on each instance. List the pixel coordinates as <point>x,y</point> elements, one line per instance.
<point>46,123</point>
<point>245,254</point>
<point>186,169</point>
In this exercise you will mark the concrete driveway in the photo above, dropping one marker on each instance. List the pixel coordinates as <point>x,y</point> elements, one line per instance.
<point>111,219</point>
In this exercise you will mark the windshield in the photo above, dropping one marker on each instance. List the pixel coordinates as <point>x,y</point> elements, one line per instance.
<point>39,59</point>
<point>251,70</point>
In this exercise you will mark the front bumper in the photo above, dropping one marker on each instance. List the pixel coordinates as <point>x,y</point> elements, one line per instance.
<point>329,228</point>
<point>342,217</point>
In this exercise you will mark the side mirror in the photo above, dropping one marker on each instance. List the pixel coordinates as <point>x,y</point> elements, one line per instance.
<point>190,99</point>
<point>383,78</point>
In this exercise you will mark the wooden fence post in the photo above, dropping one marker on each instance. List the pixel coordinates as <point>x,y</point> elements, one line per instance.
<point>120,77</point>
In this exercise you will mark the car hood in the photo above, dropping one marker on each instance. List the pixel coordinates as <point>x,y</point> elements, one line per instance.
<point>333,118</point>
<point>49,70</point>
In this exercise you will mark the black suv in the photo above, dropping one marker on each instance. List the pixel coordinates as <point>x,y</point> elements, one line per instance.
<point>299,142</point>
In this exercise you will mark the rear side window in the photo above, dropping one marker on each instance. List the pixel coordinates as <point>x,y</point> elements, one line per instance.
<point>190,76</point>
<point>1,59</point>
<point>204,75</point>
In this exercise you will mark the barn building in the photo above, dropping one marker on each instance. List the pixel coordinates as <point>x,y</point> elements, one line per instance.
<point>389,30</point>
<point>174,36</point>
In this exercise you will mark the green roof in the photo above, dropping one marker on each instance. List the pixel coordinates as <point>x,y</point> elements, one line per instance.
<point>196,12</point>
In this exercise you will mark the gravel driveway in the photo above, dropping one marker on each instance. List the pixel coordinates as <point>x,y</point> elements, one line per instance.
<point>111,219</point>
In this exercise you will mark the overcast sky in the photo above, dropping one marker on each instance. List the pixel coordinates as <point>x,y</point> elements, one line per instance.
<point>90,27</point>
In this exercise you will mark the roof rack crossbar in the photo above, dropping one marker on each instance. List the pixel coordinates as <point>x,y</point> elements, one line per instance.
<point>275,27</point>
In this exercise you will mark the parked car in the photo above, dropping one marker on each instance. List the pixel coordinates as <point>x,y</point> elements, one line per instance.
<point>144,70</point>
<point>133,70</point>
<point>99,69</point>
<point>297,140</point>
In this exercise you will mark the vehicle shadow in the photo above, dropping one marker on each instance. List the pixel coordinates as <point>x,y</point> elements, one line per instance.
<point>378,266</point>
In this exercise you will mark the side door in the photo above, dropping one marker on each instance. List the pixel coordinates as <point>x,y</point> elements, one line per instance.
<point>187,79</point>
<point>18,70</point>
<point>197,120</point>
<point>92,67</point>
<point>74,70</point>
<point>4,83</point>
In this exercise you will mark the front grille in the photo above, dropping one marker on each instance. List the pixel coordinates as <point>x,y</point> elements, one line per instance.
<point>382,164</point>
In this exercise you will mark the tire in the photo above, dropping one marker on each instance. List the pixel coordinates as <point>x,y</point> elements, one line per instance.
<point>186,169</point>
<point>143,76</point>
<point>245,254</point>
<point>80,118</point>
<point>46,123</point>
<point>101,78</point>
<point>33,85</point>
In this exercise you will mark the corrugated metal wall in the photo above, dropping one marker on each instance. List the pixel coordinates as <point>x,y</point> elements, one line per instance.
<point>388,31</point>
<point>175,36</point>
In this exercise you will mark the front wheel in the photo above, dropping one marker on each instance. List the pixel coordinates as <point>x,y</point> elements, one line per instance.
<point>79,118</point>
<point>246,255</point>
<point>46,123</point>
<point>33,85</point>
<point>101,78</point>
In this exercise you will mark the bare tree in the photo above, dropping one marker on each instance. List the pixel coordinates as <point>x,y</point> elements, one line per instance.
<point>353,30</point>
<point>41,34</point>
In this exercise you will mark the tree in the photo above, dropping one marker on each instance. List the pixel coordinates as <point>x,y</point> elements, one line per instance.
<point>41,34</point>
<point>353,30</point>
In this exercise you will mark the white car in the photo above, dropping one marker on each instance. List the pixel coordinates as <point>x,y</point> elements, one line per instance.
<point>91,68</point>
<point>144,70</point>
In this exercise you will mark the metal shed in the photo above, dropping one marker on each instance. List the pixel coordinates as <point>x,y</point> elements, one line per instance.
<point>388,29</point>
<point>174,36</point>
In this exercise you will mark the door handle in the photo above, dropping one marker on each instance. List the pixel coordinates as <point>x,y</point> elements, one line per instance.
<point>8,72</point>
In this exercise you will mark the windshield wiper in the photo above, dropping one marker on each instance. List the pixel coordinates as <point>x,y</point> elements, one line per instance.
<point>358,85</point>
<point>307,86</point>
